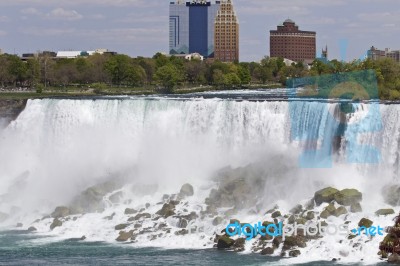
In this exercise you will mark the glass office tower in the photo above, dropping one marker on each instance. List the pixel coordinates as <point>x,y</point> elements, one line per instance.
<point>191,27</point>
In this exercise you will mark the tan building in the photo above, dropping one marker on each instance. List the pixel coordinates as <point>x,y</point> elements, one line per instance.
<point>291,43</point>
<point>376,54</point>
<point>226,33</point>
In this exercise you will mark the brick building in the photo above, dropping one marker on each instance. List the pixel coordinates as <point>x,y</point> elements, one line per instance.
<point>226,33</point>
<point>291,43</point>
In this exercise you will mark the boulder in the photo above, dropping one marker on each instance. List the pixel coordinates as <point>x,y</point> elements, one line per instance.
<point>294,241</point>
<point>394,258</point>
<point>348,197</point>
<point>292,219</point>
<point>354,208</point>
<point>167,210</point>
<point>325,195</point>
<point>238,246</point>
<point>364,222</point>
<point>182,223</point>
<point>267,251</point>
<point>225,242</point>
<point>124,236</point>
<point>32,229</point>
<point>294,253</point>
<point>56,223</point>
<point>310,215</point>
<point>277,241</point>
<point>384,212</point>
<point>276,214</point>
<point>61,212</point>
<point>217,221</point>
<point>340,211</point>
<point>120,227</point>
<point>331,209</point>
<point>325,214</point>
<point>129,211</point>
<point>182,232</point>
<point>140,216</point>
<point>296,209</point>
<point>186,190</point>
<point>19,225</point>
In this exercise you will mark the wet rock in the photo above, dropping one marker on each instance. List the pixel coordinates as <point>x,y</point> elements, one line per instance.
<point>310,215</point>
<point>355,208</point>
<point>364,222</point>
<point>140,216</point>
<point>296,209</point>
<point>120,227</point>
<point>32,229</point>
<point>147,205</point>
<point>61,212</point>
<point>110,217</point>
<point>394,258</point>
<point>276,214</point>
<point>301,221</point>
<point>344,253</point>
<point>310,205</point>
<point>124,236</point>
<point>186,190</point>
<point>238,246</point>
<point>56,223</point>
<point>167,210</point>
<point>182,232</point>
<point>325,214</point>
<point>348,197</point>
<point>391,195</point>
<point>217,221</point>
<point>294,241</point>
<point>325,195</point>
<point>182,223</point>
<point>225,242</point>
<point>384,212</point>
<point>267,251</point>
<point>294,253</point>
<point>19,225</point>
<point>340,211</point>
<point>292,219</point>
<point>277,241</point>
<point>129,211</point>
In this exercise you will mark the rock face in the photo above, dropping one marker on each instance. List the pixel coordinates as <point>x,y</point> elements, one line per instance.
<point>186,190</point>
<point>267,251</point>
<point>167,210</point>
<point>129,211</point>
<point>325,195</point>
<point>32,229</point>
<point>356,208</point>
<point>121,226</point>
<point>61,212</point>
<point>10,109</point>
<point>348,197</point>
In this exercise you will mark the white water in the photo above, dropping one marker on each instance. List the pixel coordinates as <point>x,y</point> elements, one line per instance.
<point>56,149</point>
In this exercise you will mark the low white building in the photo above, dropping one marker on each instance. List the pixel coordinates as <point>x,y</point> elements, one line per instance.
<point>192,56</point>
<point>76,54</point>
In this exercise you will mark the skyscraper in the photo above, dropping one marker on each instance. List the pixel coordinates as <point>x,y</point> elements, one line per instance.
<point>191,27</point>
<point>291,43</point>
<point>226,33</point>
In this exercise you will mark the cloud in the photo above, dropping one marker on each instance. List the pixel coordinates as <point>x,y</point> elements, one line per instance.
<point>136,3</point>
<point>30,11</point>
<point>64,14</point>
<point>3,33</point>
<point>4,19</point>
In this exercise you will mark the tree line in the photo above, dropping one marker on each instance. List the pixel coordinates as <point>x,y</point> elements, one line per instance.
<point>164,73</point>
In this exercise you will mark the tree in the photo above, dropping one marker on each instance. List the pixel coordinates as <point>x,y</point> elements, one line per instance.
<point>168,76</point>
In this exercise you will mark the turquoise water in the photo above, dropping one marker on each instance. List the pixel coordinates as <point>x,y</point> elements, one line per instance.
<point>19,248</point>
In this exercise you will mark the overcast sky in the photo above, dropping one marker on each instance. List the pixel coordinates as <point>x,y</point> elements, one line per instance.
<point>140,27</point>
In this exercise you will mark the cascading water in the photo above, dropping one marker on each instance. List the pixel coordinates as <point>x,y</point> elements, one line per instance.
<point>56,149</point>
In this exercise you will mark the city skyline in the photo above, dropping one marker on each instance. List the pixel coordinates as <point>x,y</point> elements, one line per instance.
<point>138,28</point>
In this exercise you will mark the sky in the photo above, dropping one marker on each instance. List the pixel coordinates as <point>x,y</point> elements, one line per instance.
<point>140,27</point>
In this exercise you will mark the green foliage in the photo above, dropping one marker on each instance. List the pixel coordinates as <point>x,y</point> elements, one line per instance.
<point>168,77</point>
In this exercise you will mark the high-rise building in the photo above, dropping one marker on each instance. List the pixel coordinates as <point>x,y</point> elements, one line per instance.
<point>191,27</point>
<point>226,33</point>
<point>291,43</point>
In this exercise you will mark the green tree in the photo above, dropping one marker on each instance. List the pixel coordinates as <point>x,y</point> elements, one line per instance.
<point>168,77</point>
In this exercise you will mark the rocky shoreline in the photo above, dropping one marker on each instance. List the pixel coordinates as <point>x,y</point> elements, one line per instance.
<point>174,216</point>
